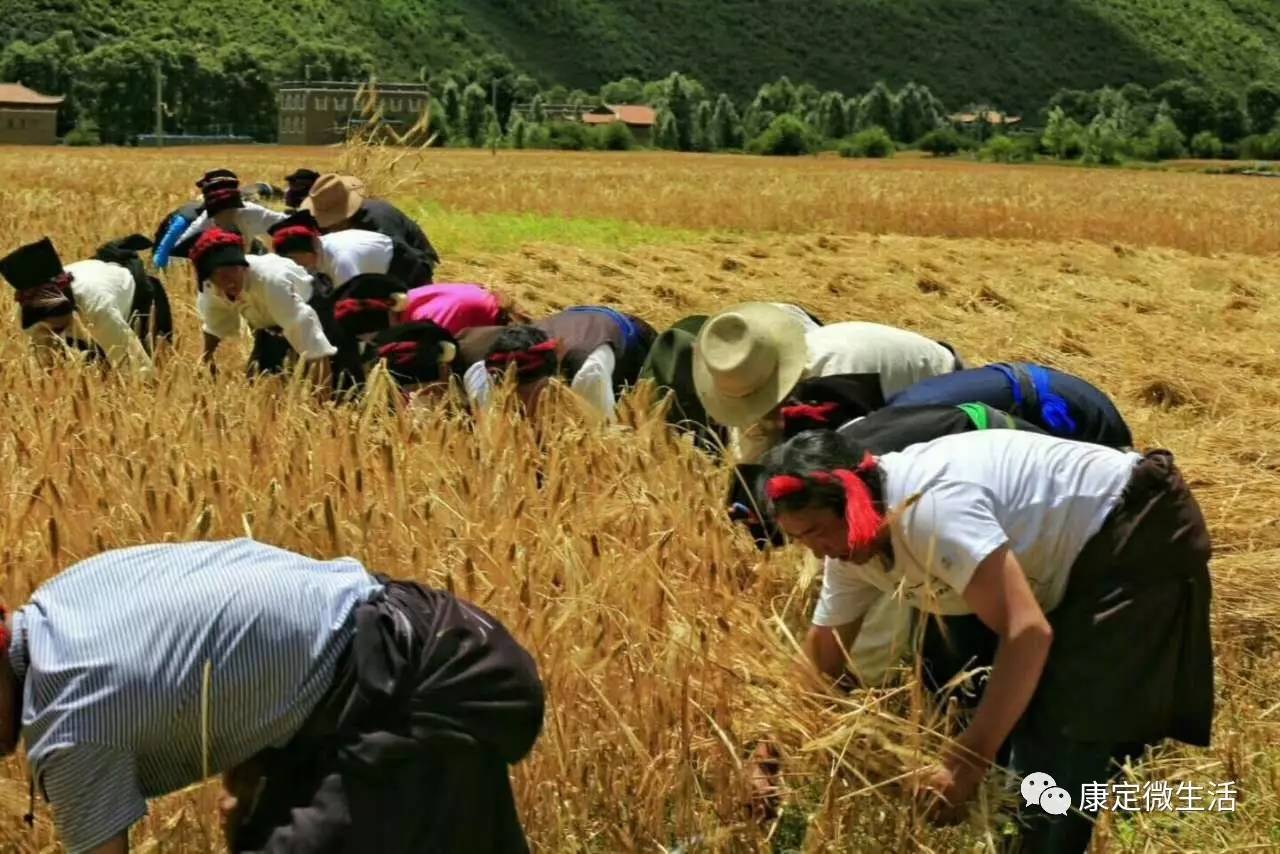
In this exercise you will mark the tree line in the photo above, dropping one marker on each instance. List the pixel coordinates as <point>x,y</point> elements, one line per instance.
<point>487,101</point>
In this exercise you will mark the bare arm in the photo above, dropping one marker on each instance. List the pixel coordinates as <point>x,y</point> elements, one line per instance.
<point>210,347</point>
<point>1001,597</point>
<point>828,647</point>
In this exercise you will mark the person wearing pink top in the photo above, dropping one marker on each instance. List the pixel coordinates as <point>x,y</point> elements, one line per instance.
<point>372,303</point>
<point>455,307</point>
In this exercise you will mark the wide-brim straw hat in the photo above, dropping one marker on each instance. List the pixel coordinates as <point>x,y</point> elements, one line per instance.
<point>334,199</point>
<point>747,359</point>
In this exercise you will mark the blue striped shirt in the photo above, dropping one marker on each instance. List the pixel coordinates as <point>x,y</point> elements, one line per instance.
<point>114,653</point>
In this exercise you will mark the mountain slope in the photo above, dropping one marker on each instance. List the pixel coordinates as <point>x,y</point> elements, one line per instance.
<point>1011,52</point>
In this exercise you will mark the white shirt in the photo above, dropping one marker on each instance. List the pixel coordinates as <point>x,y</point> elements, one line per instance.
<point>104,300</point>
<point>799,314</point>
<point>252,221</point>
<point>346,254</point>
<point>1043,496</point>
<point>899,357</point>
<point>593,382</point>
<point>276,293</point>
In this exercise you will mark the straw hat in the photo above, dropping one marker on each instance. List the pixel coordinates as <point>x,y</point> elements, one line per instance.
<point>334,198</point>
<point>746,361</point>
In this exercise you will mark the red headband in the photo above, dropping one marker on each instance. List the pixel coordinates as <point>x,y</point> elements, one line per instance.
<point>399,352</point>
<point>818,413</point>
<point>60,283</point>
<point>291,232</point>
<point>860,514</point>
<point>5,634</point>
<point>212,238</point>
<point>524,359</point>
<point>219,195</point>
<point>347,307</point>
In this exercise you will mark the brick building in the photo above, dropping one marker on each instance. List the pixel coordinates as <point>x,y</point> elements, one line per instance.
<point>27,117</point>
<point>325,112</point>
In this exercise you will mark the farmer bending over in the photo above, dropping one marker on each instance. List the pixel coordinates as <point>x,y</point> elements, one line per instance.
<point>343,255</point>
<point>346,711</point>
<point>223,206</point>
<point>339,202</point>
<point>1090,564</point>
<point>369,304</point>
<point>94,304</point>
<point>597,350</point>
<point>272,294</point>
<point>748,358</point>
<point>1059,403</point>
<point>419,358</point>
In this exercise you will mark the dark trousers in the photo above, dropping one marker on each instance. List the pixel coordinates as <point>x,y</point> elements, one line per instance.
<point>271,349</point>
<point>409,751</point>
<point>1131,662</point>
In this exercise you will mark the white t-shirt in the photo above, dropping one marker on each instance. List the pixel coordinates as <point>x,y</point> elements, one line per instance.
<point>276,294</point>
<point>593,382</point>
<point>901,359</point>
<point>1043,496</point>
<point>104,300</point>
<point>346,254</point>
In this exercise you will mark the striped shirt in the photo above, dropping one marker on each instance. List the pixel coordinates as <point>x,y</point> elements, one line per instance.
<point>114,653</point>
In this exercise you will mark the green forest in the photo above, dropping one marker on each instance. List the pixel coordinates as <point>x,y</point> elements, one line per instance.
<point>220,60</point>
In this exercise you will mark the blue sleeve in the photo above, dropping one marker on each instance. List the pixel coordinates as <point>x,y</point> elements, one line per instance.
<point>177,226</point>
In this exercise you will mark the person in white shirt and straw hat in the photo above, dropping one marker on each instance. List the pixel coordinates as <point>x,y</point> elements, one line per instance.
<point>341,203</point>
<point>748,358</point>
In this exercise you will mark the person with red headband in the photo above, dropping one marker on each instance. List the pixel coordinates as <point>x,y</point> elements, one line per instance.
<point>371,303</point>
<point>419,358</point>
<point>1090,564</point>
<point>597,350</point>
<point>270,293</point>
<point>106,304</point>
<point>748,358</point>
<point>343,255</point>
<point>223,205</point>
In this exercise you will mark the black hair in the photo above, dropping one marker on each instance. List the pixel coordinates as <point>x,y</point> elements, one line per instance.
<point>520,339</point>
<point>804,454</point>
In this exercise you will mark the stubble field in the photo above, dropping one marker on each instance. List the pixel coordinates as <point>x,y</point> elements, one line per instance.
<point>667,643</point>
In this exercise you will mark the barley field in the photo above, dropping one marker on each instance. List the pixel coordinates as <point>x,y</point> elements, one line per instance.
<point>668,644</point>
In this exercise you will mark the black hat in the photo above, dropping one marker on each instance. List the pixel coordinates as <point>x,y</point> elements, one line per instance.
<point>299,176</point>
<point>299,181</point>
<point>415,353</point>
<point>217,247</point>
<point>32,265</point>
<point>221,191</point>
<point>294,233</point>
<point>364,304</point>
<point>224,177</point>
<point>43,287</point>
<point>825,403</point>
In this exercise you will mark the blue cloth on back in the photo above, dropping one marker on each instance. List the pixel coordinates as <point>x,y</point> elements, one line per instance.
<point>1053,409</point>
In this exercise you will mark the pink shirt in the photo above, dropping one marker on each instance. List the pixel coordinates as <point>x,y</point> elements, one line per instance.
<point>453,306</point>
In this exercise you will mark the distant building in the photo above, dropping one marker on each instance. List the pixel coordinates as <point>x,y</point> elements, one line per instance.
<point>985,117</point>
<point>639,119</point>
<point>27,117</point>
<point>318,112</point>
